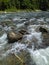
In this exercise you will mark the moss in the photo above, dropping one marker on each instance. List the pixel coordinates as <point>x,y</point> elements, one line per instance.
<point>11,59</point>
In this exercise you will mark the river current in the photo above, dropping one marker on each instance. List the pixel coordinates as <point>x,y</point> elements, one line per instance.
<point>31,43</point>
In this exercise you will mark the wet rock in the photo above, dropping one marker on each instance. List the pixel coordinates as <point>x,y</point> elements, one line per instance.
<point>22,58</point>
<point>23,31</point>
<point>6,23</point>
<point>11,60</point>
<point>45,41</point>
<point>43,30</point>
<point>25,56</point>
<point>13,37</point>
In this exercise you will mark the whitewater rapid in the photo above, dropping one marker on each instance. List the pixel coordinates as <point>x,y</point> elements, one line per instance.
<point>31,42</point>
<point>40,56</point>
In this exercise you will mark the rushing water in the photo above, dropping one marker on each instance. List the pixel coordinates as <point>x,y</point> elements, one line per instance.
<point>31,42</point>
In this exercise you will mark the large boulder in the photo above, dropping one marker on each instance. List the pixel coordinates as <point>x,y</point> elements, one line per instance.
<point>13,37</point>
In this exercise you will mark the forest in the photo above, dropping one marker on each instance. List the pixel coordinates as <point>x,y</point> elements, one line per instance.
<point>24,4</point>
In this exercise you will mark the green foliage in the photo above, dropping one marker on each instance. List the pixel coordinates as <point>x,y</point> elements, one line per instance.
<point>24,4</point>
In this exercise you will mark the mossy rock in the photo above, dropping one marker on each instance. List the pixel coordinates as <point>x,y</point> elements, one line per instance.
<point>11,60</point>
<point>25,56</point>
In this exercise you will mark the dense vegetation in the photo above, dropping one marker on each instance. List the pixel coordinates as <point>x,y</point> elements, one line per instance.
<point>24,4</point>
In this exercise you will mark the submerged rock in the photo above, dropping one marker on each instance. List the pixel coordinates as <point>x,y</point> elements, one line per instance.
<point>7,23</point>
<point>23,31</point>
<point>22,58</point>
<point>43,30</point>
<point>13,37</point>
<point>45,40</point>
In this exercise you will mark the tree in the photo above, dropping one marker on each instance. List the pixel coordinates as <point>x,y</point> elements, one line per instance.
<point>17,4</point>
<point>25,4</point>
<point>43,5</point>
<point>2,6</point>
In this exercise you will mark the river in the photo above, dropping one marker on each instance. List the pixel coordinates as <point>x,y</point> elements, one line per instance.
<point>30,48</point>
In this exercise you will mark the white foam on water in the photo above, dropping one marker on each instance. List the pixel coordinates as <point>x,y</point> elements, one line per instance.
<point>18,19</point>
<point>14,19</point>
<point>40,56</point>
<point>19,46</point>
<point>7,28</point>
<point>34,34</point>
<point>45,59</point>
<point>20,25</point>
<point>3,40</point>
<point>16,47</point>
<point>32,19</point>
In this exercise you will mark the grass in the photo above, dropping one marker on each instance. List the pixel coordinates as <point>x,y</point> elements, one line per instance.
<point>18,10</point>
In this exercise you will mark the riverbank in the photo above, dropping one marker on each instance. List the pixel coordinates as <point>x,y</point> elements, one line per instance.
<point>14,10</point>
<point>19,10</point>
